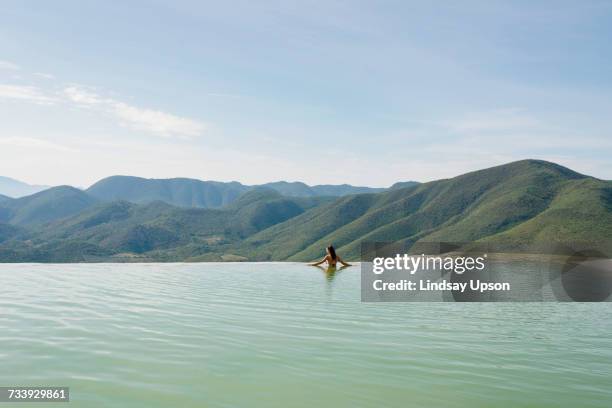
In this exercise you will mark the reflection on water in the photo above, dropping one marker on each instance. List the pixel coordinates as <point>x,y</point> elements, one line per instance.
<point>331,271</point>
<point>278,335</point>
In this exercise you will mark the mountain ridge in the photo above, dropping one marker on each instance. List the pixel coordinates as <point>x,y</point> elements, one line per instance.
<point>416,213</point>
<point>44,206</point>
<point>527,202</point>
<point>13,188</point>
<point>188,192</point>
<point>109,229</point>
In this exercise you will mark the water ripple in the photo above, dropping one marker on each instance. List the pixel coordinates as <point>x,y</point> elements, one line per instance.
<point>244,335</point>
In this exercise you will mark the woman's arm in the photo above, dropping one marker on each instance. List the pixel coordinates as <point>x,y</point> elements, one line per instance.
<point>343,263</point>
<point>319,263</point>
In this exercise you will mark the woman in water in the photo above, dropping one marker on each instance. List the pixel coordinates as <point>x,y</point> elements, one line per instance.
<point>331,258</point>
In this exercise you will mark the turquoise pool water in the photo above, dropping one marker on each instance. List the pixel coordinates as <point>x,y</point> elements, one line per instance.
<point>287,335</point>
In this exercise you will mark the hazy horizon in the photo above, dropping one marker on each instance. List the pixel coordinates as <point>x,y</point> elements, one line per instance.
<point>319,92</point>
<point>192,178</point>
<point>84,187</point>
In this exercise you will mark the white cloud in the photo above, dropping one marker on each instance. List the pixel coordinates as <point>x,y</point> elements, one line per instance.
<point>33,143</point>
<point>141,119</point>
<point>138,118</point>
<point>26,93</point>
<point>8,65</point>
<point>82,95</point>
<point>43,75</point>
<point>148,120</point>
<point>157,122</point>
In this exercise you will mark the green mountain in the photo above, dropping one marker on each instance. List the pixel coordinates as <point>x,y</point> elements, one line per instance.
<point>299,189</point>
<point>8,231</point>
<point>403,184</point>
<point>185,192</point>
<point>126,231</point>
<point>45,206</point>
<point>519,204</point>
<point>181,192</point>
<point>528,201</point>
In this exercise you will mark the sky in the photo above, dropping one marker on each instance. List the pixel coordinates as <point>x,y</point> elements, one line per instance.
<point>325,92</point>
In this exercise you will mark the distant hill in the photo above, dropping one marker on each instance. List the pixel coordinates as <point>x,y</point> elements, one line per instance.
<point>164,232</point>
<point>299,189</point>
<point>185,192</point>
<point>404,184</point>
<point>15,188</point>
<point>4,198</point>
<point>45,206</point>
<point>522,202</point>
<point>182,192</point>
<point>517,204</point>
<point>8,231</point>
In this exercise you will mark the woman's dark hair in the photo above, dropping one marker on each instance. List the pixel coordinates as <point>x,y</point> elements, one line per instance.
<point>332,251</point>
